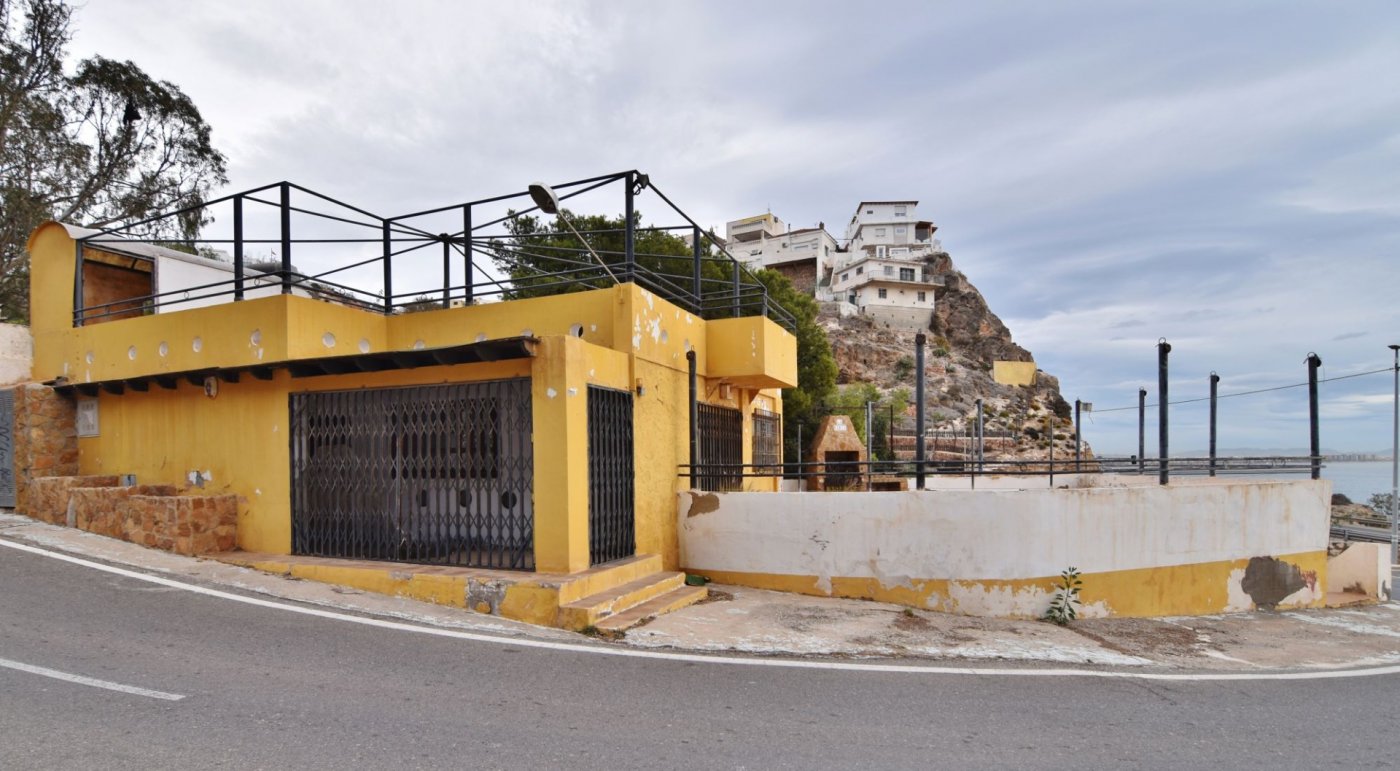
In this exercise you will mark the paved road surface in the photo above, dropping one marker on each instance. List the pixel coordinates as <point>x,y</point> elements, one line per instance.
<point>265,688</point>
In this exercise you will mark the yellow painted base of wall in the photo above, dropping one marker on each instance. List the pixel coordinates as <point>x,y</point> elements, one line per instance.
<point>534,598</point>
<point>1180,590</point>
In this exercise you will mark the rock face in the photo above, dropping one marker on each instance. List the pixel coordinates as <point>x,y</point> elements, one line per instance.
<point>963,339</point>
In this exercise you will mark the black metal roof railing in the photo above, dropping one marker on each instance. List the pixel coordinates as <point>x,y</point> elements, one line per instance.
<point>481,257</point>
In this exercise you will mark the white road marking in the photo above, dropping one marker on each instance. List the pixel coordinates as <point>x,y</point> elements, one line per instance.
<point>711,659</point>
<point>89,681</point>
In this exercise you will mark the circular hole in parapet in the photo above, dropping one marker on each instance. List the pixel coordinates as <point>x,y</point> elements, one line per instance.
<point>198,344</point>
<point>328,340</point>
<point>131,353</point>
<point>576,330</point>
<point>164,349</point>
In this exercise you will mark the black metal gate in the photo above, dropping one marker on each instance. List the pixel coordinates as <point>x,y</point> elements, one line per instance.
<point>721,431</point>
<point>7,449</point>
<point>611,508</point>
<point>436,474</point>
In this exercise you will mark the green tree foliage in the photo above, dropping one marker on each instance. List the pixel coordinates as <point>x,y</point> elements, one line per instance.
<point>542,255</point>
<point>102,145</point>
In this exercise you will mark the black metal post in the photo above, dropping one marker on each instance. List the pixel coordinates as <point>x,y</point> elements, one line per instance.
<point>1077,405</point>
<point>388,238</point>
<point>1142,430</point>
<point>286,238</point>
<point>629,248</point>
<point>695,420</point>
<point>446,270</point>
<point>919,341</point>
<point>237,248</point>
<point>889,427</point>
<point>1314,442</point>
<point>981,440</point>
<point>1163,348</point>
<point>1050,432</point>
<point>735,299</point>
<point>1214,380</point>
<point>869,445</point>
<point>696,261</point>
<point>78,284</point>
<point>467,278</point>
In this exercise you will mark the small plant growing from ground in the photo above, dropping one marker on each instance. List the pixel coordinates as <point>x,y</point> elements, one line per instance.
<point>1061,610</point>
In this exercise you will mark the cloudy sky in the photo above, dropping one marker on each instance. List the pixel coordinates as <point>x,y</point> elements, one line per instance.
<point>1224,175</point>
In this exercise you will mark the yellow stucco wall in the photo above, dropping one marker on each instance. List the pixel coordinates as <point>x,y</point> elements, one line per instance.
<point>1014,373</point>
<point>621,337</point>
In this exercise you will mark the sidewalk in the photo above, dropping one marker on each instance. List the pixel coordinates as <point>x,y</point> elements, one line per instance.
<point>759,622</point>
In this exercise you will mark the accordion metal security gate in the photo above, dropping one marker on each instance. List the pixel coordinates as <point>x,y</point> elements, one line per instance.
<point>612,522</point>
<point>7,449</point>
<point>438,474</point>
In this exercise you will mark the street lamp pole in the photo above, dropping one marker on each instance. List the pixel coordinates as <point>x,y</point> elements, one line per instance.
<point>1395,465</point>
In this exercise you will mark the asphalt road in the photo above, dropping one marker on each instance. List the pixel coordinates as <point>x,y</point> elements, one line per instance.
<point>265,688</point>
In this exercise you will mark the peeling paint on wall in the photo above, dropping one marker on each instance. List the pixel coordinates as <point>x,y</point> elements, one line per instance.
<point>702,503</point>
<point>1269,581</point>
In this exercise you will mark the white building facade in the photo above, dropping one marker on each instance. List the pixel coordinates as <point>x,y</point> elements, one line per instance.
<point>765,241</point>
<point>884,272</point>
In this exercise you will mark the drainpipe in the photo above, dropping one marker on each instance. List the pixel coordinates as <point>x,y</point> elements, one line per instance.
<point>694,421</point>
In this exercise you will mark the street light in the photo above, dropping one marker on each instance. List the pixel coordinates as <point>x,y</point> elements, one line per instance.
<point>1395,466</point>
<point>544,197</point>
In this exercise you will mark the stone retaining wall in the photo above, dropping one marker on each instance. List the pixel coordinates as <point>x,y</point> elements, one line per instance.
<point>45,439</point>
<point>150,515</point>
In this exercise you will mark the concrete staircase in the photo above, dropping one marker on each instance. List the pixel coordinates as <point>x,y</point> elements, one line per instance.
<point>625,606</point>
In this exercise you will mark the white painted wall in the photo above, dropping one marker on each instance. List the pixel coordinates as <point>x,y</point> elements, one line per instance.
<point>184,272</point>
<point>1002,534</point>
<point>16,354</point>
<point>1364,565</point>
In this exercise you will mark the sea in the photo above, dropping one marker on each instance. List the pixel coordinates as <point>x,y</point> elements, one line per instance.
<point>1358,480</point>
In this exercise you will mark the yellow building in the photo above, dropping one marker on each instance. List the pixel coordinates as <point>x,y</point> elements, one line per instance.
<point>546,435</point>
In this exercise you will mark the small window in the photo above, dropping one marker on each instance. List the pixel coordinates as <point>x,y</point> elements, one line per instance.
<point>883,294</point>
<point>921,296</point>
<point>900,211</point>
<point>906,274</point>
<point>869,211</point>
<point>879,232</point>
<point>889,270</point>
<point>859,271</point>
<point>899,231</point>
<point>845,276</point>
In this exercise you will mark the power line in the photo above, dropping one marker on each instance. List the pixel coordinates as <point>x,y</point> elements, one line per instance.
<point>1250,393</point>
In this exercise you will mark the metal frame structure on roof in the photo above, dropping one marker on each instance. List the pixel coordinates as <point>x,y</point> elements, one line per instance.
<point>691,282</point>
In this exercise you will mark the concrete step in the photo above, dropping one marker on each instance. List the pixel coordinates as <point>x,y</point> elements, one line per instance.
<point>665,603</point>
<point>596,607</point>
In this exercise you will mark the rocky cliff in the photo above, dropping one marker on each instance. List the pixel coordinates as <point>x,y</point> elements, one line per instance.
<point>964,338</point>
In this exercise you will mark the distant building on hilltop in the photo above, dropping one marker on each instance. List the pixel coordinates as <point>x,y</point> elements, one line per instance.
<point>764,241</point>
<point>882,271</point>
